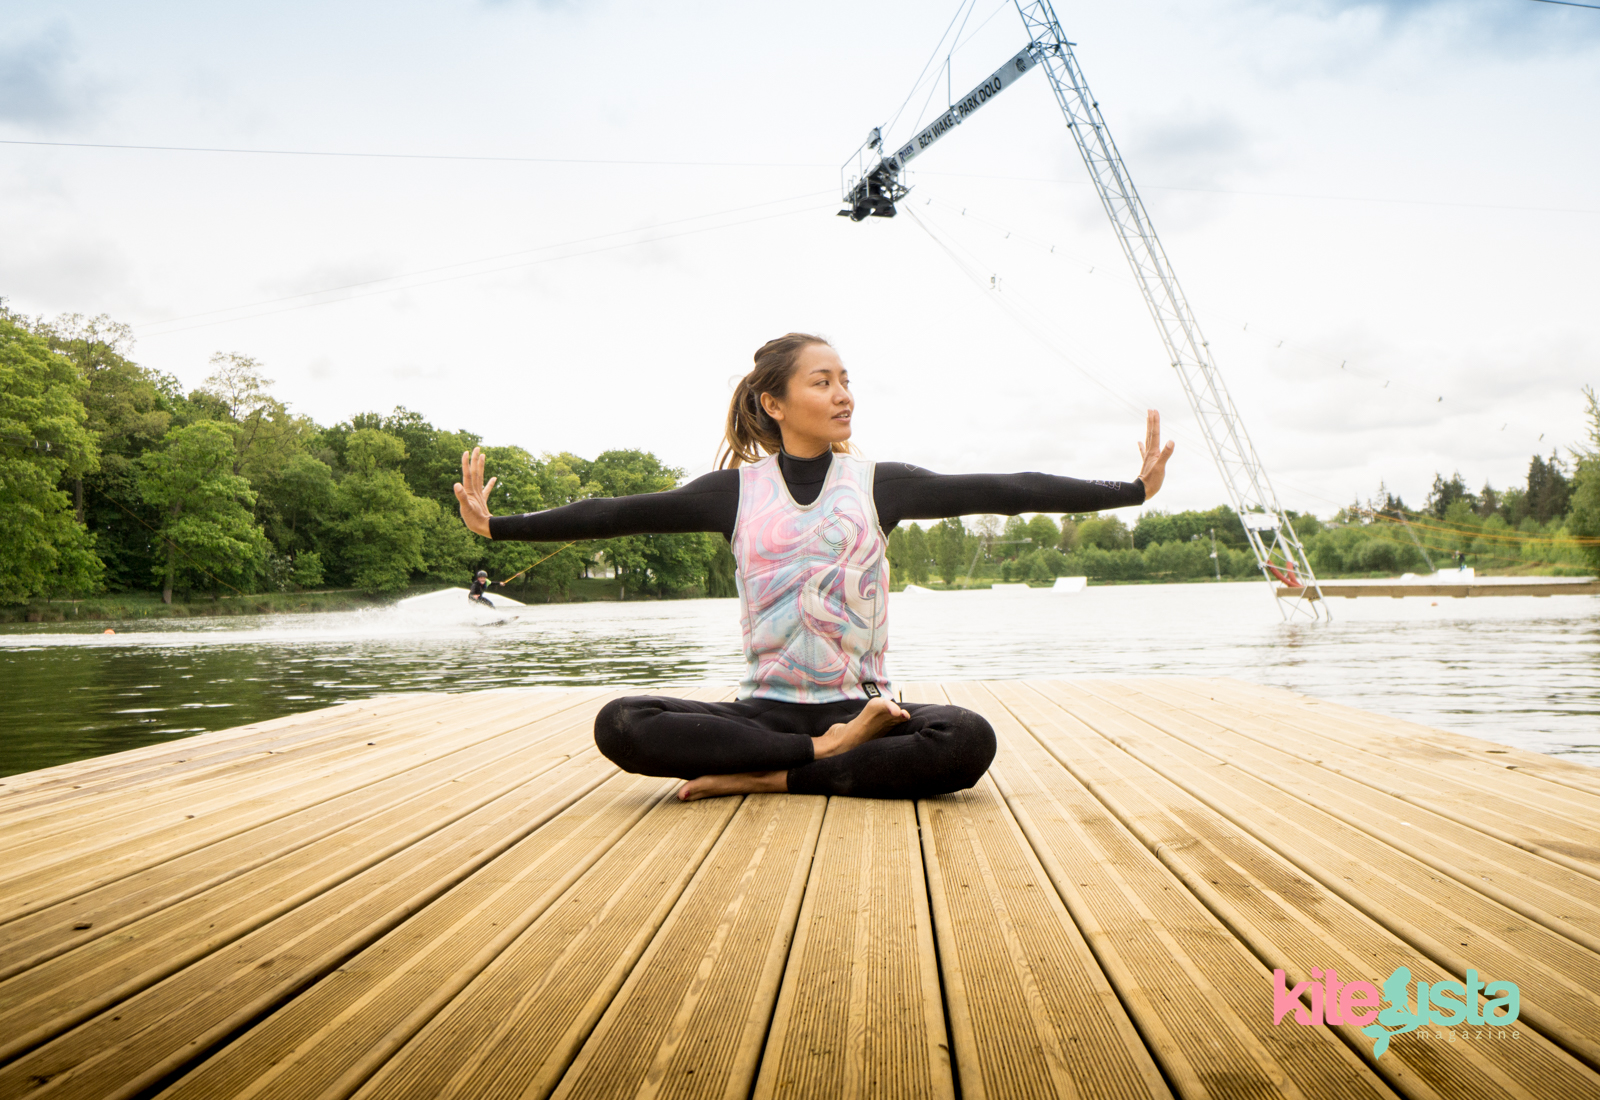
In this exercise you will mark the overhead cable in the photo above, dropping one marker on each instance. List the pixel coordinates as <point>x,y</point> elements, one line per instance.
<point>1278,194</point>
<point>918,82</point>
<point>489,271</point>
<point>410,156</point>
<point>479,260</point>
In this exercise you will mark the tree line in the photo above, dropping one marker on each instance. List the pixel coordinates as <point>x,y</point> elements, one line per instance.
<point>113,479</point>
<point>1549,524</point>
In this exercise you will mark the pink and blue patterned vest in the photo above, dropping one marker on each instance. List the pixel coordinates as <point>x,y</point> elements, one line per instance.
<point>813,585</point>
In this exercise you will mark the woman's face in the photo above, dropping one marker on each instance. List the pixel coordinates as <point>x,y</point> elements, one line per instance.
<point>815,412</point>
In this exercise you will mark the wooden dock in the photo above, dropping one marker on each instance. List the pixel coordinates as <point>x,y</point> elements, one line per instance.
<point>1452,590</point>
<point>455,896</point>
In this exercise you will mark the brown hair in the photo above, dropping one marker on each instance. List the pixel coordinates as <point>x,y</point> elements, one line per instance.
<point>749,427</point>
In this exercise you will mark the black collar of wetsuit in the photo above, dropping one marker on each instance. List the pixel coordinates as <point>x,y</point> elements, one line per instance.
<point>805,476</point>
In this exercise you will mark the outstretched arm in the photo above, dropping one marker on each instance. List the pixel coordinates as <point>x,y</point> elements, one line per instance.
<point>906,492</point>
<point>708,503</point>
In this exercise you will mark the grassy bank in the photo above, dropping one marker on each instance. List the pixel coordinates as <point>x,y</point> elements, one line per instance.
<point>962,584</point>
<point>148,605</point>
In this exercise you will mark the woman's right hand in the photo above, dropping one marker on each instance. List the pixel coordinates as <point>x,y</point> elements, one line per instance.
<point>1153,456</point>
<point>473,494</point>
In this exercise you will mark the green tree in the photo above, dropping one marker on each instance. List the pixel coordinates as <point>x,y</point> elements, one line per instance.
<point>238,385</point>
<point>450,552</point>
<point>1068,541</point>
<point>238,392</point>
<point>129,410</point>
<point>1549,492</point>
<point>628,473</point>
<point>381,525</point>
<point>1105,532</point>
<point>948,538</point>
<point>657,564</point>
<point>1156,526</point>
<point>919,558</point>
<point>896,551</point>
<point>1445,493</point>
<point>520,480</point>
<point>433,456</point>
<point>676,564</point>
<point>1584,518</point>
<point>908,554</point>
<point>43,546</point>
<point>1011,535</point>
<point>524,482</point>
<point>206,528</point>
<point>295,502</point>
<point>1043,531</point>
<point>720,574</point>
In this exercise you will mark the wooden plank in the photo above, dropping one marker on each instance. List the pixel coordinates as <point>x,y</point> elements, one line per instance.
<point>859,1010</point>
<point>375,749</point>
<point>140,864</point>
<point>1540,778</point>
<point>1559,979</point>
<point>184,764</point>
<point>52,930</point>
<point>1556,821</point>
<point>1551,822</point>
<point>1289,921</point>
<point>330,1039</point>
<point>1504,766</point>
<point>515,1030</point>
<point>144,1003</point>
<point>71,775</point>
<point>1199,998</point>
<point>1142,855</point>
<point>690,1020</point>
<point>1563,899</point>
<point>1031,1012</point>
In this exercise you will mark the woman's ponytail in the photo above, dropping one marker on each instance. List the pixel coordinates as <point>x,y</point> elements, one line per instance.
<point>750,431</point>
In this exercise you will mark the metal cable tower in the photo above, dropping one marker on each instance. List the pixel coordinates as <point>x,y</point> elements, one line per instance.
<point>872,192</point>
<point>1279,554</point>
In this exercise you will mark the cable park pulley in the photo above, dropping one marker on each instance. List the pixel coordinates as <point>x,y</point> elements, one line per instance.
<point>872,187</point>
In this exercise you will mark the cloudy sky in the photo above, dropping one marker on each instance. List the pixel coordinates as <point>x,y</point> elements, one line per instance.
<point>1386,216</point>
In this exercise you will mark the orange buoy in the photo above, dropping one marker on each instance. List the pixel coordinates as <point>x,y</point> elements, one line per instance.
<point>108,630</point>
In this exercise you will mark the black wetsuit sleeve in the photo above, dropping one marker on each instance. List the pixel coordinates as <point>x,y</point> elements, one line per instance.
<point>708,503</point>
<point>904,491</point>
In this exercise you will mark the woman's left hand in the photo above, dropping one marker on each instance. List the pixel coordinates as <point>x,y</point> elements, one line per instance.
<point>1154,454</point>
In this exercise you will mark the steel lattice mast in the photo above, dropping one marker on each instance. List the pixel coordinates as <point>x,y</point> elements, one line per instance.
<point>1278,552</point>
<point>874,191</point>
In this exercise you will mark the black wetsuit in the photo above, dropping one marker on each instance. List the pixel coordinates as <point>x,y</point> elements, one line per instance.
<point>478,585</point>
<point>900,490</point>
<point>939,750</point>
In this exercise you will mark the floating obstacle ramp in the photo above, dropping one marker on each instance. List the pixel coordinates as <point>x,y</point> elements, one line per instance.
<point>1445,584</point>
<point>455,895</point>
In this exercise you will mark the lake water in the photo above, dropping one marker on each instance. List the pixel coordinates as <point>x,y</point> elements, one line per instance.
<point>1520,670</point>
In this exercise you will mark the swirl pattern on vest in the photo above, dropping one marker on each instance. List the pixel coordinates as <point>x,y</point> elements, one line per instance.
<point>813,585</point>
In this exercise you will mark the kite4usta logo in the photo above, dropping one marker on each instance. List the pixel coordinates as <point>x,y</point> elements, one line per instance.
<point>1445,1003</point>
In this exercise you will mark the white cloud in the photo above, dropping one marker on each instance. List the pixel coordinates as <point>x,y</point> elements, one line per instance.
<point>1407,108</point>
<point>38,83</point>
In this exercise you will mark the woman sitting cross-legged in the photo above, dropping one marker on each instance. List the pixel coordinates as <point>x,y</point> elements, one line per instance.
<point>808,525</point>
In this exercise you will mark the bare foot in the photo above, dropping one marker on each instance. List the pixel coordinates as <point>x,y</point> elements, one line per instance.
<point>710,786</point>
<point>878,715</point>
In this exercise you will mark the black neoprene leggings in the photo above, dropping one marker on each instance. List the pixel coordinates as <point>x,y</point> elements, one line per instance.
<point>940,749</point>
